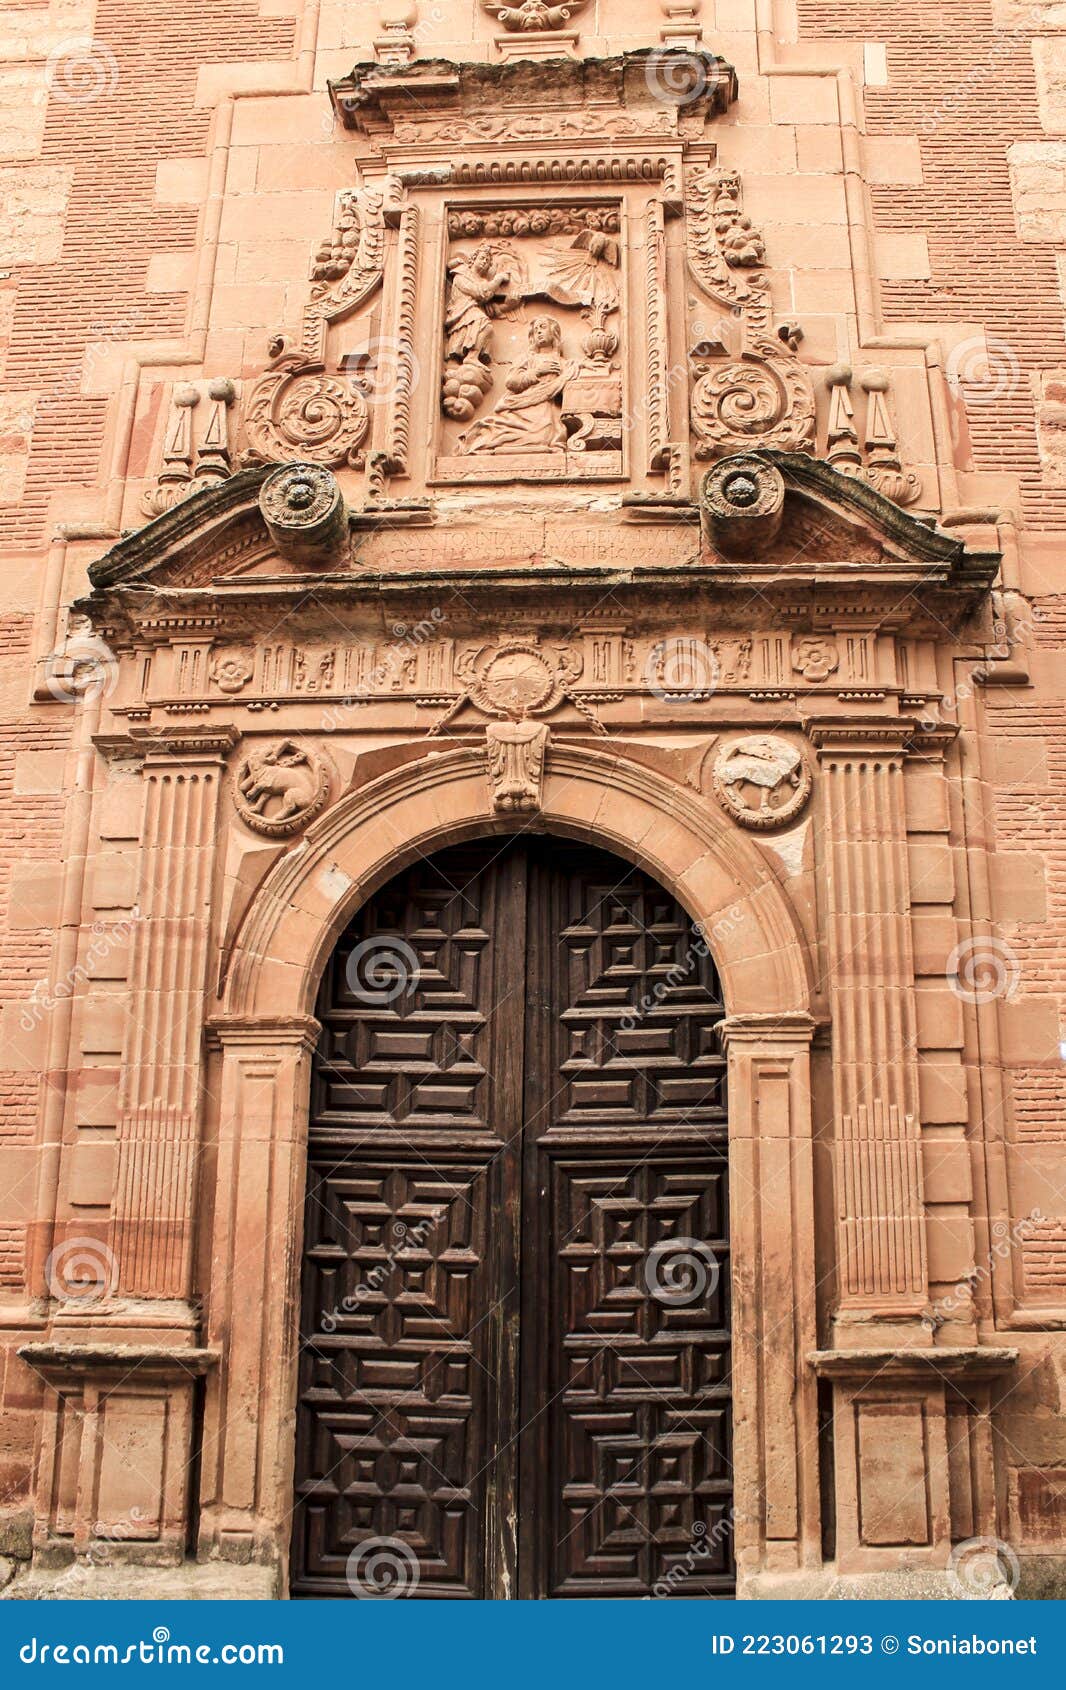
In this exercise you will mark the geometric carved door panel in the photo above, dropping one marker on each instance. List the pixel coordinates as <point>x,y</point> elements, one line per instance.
<point>514,1367</point>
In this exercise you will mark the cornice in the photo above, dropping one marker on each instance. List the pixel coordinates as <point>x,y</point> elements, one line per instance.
<point>374,97</point>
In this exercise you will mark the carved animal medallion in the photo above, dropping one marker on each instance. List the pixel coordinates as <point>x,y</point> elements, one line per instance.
<point>279,790</point>
<point>762,781</point>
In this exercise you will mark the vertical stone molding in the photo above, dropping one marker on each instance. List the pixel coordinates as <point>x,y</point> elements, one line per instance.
<point>881,1219</point>
<point>158,1127</point>
<point>774,1312</point>
<point>264,1086</point>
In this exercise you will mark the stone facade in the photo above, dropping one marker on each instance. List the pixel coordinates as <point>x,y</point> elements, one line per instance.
<point>639,423</point>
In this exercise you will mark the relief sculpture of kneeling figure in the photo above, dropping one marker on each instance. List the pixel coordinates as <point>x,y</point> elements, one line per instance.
<point>528,417</point>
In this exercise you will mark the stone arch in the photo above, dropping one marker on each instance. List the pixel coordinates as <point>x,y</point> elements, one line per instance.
<point>715,872</point>
<point>265,1033</point>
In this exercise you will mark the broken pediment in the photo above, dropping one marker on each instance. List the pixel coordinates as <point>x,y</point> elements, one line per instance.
<point>770,527</point>
<point>775,518</point>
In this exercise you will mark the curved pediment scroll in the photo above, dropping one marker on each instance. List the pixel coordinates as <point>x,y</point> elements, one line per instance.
<point>749,387</point>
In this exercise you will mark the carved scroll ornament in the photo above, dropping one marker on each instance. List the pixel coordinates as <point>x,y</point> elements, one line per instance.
<point>749,388</point>
<point>298,410</point>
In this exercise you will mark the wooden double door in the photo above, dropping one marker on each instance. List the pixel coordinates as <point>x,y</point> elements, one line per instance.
<point>514,1363</point>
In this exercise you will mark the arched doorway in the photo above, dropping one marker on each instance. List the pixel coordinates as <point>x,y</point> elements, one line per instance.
<point>514,1375</point>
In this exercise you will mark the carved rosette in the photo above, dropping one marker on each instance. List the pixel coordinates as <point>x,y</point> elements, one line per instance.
<point>280,789</point>
<point>742,500</point>
<point>304,510</point>
<point>762,781</point>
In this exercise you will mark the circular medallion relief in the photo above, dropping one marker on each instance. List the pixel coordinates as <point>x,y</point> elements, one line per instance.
<point>516,682</point>
<point>299,496</point>
<point>744,487</point>
<point>762,781</point>
<point>281,788</point>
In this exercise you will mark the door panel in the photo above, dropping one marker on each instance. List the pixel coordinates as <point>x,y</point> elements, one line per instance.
<point>516,1280</point>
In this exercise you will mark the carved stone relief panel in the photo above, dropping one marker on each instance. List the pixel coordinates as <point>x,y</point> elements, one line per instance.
<point>762,781</point>
<point>281,788</point>
<point>533,323</point>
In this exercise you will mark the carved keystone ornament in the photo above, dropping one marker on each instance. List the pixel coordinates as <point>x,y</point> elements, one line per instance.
<point>516,680</point>
<point>762,781</point>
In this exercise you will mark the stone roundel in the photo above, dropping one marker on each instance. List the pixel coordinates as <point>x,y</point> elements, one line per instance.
<point>762,781</point>
<point>516,681</point>
<point>744,487</point>
<point>280,788</point>
<point>299,496</point>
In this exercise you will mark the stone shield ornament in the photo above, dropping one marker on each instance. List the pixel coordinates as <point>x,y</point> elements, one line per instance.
<point>281,788</point>
<point>761,781</point>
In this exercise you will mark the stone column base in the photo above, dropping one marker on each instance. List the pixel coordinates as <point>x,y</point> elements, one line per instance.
<point>194,1581</point>
<point>826,1584</point>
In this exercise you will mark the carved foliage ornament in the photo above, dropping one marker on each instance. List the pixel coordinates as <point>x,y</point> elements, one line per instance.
<point>761,781</point>
<point>296,411</point>
<point>749,388</point>
<point>280,789</point>
<point>516,752</point>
